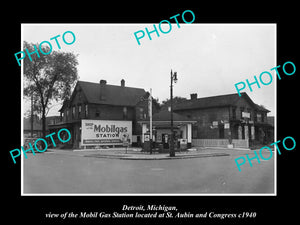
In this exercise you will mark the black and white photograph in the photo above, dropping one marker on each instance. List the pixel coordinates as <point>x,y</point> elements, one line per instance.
<point>134,114</point>
<point>159,117</point>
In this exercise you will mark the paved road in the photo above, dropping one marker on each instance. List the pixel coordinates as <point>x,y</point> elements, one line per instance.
<point>70,172</point>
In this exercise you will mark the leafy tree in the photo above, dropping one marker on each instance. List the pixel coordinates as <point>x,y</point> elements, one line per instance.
<point>176,100</point>
<point>48,77</point>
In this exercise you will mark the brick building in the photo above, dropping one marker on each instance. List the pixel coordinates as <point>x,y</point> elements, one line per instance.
<point>101,101</point>
<point>227,117</point>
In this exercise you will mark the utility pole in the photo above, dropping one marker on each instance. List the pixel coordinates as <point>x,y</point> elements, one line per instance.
<point>173,77</point>
<point>150,118</point>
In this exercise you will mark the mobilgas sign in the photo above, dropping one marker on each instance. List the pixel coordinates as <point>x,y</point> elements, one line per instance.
<point>105,132</point>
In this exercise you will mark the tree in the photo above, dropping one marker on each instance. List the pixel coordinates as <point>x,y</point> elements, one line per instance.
<point>176,100</point>
<point>48,77</point>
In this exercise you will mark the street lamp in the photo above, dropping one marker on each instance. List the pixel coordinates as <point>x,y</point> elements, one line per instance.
<point>173,78</point>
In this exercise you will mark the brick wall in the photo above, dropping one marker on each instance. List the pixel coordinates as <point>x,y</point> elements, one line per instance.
<point>205,118</point>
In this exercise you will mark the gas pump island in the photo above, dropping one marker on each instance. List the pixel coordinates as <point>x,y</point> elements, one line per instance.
<point>162,132</point>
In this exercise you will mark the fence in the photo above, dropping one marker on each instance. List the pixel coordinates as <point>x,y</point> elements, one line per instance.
<point>240,143</point>
<point>237,143</point>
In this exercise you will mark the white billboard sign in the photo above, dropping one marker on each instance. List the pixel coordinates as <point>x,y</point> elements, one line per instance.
<point>105,132</point>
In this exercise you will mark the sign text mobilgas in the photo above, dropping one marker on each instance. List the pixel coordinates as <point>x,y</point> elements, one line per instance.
<point>105,132</point>
<point>109,130</point>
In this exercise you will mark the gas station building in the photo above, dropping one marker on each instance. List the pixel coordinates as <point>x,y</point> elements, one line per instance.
<point>161,125</point>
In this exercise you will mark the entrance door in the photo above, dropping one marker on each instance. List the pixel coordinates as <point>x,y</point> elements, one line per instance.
<point>221,132</point>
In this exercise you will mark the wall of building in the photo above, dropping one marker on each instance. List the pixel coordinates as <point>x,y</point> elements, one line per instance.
<point>243,106</point>
<point>205,118</point>
<point>109,112</point>
<point>99,112</point>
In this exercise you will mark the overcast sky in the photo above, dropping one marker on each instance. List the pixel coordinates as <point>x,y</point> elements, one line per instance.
<point>208,58</point>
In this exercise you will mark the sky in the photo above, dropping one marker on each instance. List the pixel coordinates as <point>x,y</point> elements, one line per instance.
<point>209,58</point>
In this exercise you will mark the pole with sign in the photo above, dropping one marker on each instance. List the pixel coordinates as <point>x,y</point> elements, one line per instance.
<point>125,140</point>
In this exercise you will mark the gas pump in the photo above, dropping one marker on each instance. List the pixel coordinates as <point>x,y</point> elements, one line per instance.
<point>165,141</point>
<point>147,143</point>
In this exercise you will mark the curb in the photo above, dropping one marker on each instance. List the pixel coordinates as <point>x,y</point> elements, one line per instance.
<point>128,157</point>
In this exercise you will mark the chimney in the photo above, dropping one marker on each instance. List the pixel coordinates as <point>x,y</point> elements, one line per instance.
<point>102,89</point>
<point>193,96</point>
<point>102,82</point>
<point>122,83</point>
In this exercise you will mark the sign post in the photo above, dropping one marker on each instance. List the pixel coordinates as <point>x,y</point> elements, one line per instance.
<point>150,118</point>
<point>125,140</point>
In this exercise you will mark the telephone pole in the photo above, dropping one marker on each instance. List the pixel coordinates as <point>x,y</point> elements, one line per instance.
<point>150,118</point>
<point>173,78</point>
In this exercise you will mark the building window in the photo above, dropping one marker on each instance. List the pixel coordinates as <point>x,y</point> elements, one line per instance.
<point>125,112</point>
<point>141,113</point>
<point>241,112</point>
<point>67,115</point>
<point>79,111</point>
<point>234,113</point>
<point>262,117</point>
<point>86,110</point>
<point>97,114</point>
<point>258,116</point>
<point>255,116</point>
<point>73,111</point>
<point>181,134</point>
<point>249,111</point>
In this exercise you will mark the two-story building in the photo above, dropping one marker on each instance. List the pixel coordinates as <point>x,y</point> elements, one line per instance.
<point>227,117</point>
<point>102,101</point>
